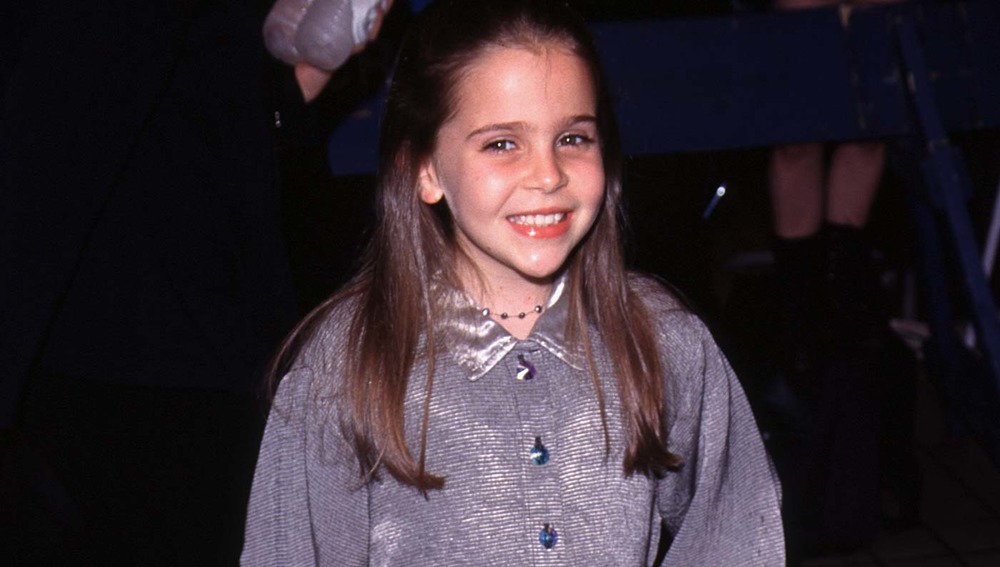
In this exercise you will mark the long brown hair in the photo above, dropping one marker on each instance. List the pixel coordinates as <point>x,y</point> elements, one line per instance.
<point>413,243</point>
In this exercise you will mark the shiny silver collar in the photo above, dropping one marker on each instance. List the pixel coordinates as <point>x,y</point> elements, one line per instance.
<point>478,343</point>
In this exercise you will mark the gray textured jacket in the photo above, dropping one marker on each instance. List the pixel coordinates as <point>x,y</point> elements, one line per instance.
<point>516,432</point>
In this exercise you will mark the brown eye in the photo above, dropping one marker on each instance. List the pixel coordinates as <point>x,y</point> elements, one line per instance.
<point>574,140</point>
<point>499,146</point>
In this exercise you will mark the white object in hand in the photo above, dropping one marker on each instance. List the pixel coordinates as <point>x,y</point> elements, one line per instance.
<point>322,33</point>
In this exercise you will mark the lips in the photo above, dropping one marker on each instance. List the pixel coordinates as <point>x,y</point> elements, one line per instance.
<point>541,225</point>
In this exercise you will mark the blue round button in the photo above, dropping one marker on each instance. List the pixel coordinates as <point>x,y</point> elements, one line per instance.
<point>539,454</point>
<point>548,537</point>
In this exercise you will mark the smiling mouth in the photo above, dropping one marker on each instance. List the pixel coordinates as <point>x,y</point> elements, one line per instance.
<point>538,221</point>
<point>541,225</point>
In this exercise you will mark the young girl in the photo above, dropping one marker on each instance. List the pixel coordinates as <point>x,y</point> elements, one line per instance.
<point>493,388</point>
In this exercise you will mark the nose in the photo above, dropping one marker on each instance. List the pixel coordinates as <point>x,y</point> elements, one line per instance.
<point>547,173</point>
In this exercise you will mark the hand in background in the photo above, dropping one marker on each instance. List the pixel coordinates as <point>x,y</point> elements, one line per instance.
<point>312,78</point>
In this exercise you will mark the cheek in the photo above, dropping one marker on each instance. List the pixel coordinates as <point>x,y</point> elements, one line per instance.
<point>477,191</point>
<point>592,198</point>
<point>595,189</point>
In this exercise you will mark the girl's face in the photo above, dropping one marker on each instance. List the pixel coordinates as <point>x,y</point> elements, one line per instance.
<point>519,163</point>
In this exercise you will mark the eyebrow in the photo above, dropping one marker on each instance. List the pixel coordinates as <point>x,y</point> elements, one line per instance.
<point>511,126</point>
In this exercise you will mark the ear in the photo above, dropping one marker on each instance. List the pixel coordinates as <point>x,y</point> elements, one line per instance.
<point>429,184</point>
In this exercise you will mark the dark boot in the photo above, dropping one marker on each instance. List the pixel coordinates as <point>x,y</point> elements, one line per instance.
<point>877,399</point>
<point>859,326</point>
<point>801,446</point>
<point>854,295</point>
<point>799,338</point>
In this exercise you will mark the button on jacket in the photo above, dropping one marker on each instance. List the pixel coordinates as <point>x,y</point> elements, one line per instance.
<point>503,502</point>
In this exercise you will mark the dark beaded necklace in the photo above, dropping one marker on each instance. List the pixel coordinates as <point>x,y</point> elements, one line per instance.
<point>486,312</point>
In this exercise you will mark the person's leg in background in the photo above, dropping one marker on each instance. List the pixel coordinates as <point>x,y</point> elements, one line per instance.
<point>859,323</point>
<point>796,186</point>
<point>797,200</point>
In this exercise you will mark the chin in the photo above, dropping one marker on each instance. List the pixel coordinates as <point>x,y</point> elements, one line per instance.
<point>541,273</point>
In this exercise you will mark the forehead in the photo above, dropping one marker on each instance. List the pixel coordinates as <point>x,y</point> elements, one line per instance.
<point>524,80</point>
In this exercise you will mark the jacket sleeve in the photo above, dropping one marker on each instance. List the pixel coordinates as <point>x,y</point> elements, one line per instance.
<point>308,504</point>
<point>723,506</point>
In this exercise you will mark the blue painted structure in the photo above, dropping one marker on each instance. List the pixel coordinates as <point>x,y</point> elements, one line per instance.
<point>759,79</point>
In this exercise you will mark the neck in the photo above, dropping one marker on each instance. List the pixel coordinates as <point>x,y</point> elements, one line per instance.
<point>515,304</point>
<point>512,300</point>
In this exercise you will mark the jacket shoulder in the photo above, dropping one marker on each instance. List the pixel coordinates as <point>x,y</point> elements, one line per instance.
<point>325,336</point>
<point>659,297</point>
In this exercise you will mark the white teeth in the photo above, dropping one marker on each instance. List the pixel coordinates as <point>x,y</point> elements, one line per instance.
<point>537,220</point>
